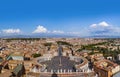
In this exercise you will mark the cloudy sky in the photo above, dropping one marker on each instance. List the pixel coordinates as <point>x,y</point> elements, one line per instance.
<point>64,17</point>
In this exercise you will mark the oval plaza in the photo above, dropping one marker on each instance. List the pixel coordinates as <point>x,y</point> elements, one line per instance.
<point>59,64</point>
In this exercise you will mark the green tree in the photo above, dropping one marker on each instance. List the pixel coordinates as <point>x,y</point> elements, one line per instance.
<point>36,55</point>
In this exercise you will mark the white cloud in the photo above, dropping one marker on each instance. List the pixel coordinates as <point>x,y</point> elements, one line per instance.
<point>8,31</point>
<point>76,33</point>
<point>40,29</point>
<point>103,28</point>
<point>58,31</point>
<point>101,24</point>
<point>93,25</point>
<point>104,24</point>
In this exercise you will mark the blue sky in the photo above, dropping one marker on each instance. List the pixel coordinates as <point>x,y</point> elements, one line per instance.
<point>75,17</point>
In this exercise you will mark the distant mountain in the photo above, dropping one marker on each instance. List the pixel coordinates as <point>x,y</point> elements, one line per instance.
<point>56,36</point>
<point>37,36</point>
<point>104,36</point>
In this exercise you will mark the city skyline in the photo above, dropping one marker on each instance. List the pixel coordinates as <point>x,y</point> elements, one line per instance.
<point>69,18</point>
